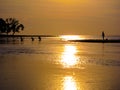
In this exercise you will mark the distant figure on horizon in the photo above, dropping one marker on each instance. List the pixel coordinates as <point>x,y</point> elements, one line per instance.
<point>103,35</point>
<point>39,38</point>
<point>32,38</point>
<point>21,39</point>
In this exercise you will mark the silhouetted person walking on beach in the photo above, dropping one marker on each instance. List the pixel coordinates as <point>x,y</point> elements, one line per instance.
<point>32,38</point>
<point>21,38</point>
<point>103,35</point>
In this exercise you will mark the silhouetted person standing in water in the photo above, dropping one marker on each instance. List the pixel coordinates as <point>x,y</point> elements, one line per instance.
<point>103,35</point>
<point>39,38</point>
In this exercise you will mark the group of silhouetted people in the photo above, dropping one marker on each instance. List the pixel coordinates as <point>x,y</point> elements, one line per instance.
<point>21,39</point>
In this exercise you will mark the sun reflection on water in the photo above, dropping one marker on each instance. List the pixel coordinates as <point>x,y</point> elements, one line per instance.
<point>68,57</point>
<point>71,37</point>
<point>69,83</point>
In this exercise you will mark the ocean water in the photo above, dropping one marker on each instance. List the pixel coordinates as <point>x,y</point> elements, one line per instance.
<point>55,64</point>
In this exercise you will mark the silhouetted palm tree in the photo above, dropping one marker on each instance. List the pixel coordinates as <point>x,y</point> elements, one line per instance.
<point>10,25</point>
<point>2,26</point>
<point>17,28</point>
<point>13,25</point>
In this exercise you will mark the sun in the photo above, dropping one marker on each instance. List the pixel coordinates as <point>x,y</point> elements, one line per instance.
<point>70,2</point>
<point>65,1</point>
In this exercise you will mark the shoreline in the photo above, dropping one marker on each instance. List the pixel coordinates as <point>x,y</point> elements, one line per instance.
<point>28,36</point>
<point>78,40</point>
<point>97,41</point>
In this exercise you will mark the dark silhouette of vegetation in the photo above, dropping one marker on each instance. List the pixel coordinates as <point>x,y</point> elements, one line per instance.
<point>2,26</point>
<point>10,25</point>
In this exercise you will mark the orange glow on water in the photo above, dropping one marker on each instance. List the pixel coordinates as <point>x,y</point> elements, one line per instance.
<point>71,37</point>
<point>69,83</point>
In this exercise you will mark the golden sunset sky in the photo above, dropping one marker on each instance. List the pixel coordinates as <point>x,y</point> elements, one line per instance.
<point>57,17</point>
